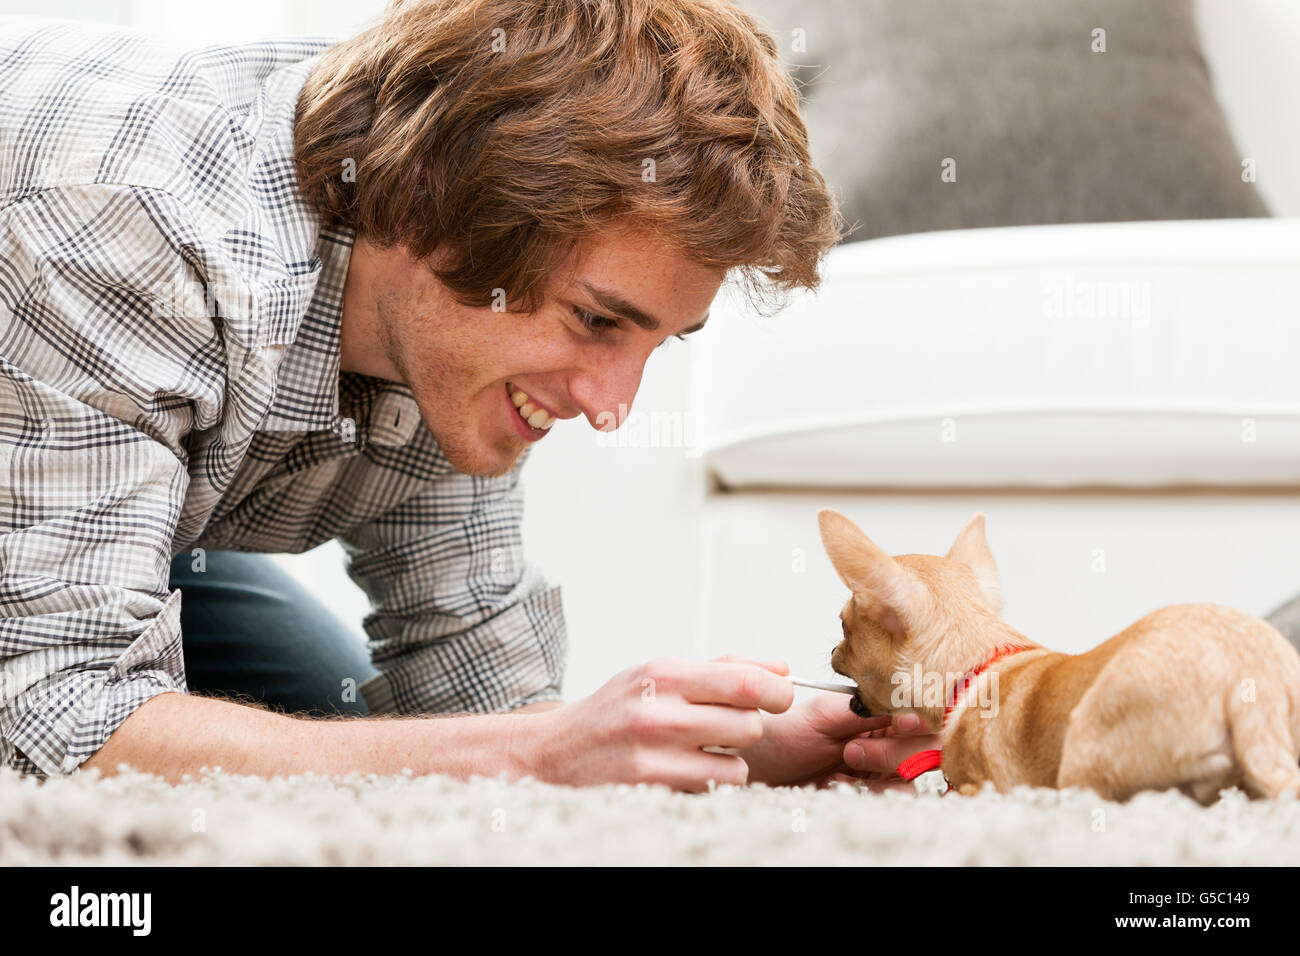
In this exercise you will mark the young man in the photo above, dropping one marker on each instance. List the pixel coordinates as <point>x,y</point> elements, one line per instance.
<point>254,298</point>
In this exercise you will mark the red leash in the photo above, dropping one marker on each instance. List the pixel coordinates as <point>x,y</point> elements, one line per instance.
<point>926,760</point>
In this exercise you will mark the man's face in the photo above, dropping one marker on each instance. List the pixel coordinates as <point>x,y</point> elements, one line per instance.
<point>581,353</point>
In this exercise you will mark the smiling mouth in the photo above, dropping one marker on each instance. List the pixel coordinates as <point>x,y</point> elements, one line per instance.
<point>532,413</point>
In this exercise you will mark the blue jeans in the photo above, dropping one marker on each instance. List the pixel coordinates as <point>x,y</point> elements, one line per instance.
<point>249,630</point>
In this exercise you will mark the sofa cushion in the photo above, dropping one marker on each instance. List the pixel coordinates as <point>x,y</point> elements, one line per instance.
<point>1128,354</point>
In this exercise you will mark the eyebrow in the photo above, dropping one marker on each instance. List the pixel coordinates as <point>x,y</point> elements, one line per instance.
<point>612,302</point>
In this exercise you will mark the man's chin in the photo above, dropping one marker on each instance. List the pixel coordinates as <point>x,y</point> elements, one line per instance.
<point>481,463</point>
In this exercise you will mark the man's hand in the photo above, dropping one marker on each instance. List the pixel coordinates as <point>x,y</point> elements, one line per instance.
<point>821,741</point>
<point>649,723</point>
<point>873,757</point>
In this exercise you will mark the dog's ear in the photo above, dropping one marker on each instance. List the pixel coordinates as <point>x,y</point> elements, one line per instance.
<point>972,549</point>
<point>888,591</point>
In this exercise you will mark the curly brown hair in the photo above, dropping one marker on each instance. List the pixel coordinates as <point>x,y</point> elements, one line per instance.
<point>511,130</point>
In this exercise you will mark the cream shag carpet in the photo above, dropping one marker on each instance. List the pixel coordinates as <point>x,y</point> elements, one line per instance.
<point>310,820</point>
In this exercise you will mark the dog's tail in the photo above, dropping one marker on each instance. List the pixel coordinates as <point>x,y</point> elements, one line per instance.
<point>1264,715</point>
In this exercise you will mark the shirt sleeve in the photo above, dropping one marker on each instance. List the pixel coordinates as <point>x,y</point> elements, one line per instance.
<point>460,622</point>
<point>92,473</point>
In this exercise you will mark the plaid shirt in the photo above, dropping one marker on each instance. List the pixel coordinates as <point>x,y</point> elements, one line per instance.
<point>170,316</point>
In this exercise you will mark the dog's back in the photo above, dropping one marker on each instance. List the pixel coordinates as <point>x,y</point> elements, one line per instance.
<point>1196,696</point>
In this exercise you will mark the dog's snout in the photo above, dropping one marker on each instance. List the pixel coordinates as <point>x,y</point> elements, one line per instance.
<point>859,708</point>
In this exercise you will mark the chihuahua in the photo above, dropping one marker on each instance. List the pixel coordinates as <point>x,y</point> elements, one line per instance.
<point>1195,696</point>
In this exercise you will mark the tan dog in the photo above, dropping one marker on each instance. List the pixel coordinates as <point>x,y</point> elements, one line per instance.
<point>1195,696</point>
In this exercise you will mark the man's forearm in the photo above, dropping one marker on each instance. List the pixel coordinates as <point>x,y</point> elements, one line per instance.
<point>174,734</point>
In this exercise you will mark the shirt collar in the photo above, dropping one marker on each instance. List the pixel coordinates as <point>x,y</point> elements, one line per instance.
<point>307,381</point>
<point>310,392</point>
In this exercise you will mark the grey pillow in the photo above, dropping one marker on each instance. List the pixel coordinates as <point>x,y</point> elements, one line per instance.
<point>1038,126</point>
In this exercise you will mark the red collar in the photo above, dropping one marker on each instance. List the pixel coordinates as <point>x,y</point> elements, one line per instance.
<point>919,763</point>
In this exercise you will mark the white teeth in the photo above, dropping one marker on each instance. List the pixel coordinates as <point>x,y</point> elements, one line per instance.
<point>536,417</point>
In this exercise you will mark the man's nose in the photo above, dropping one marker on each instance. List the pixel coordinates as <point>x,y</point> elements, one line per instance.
<point>604,391</point>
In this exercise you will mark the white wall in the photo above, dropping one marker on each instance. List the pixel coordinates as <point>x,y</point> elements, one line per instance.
<point>618,528</point>
<point>1253,51</point>
<point>242,20</point>
<point>228,21</point>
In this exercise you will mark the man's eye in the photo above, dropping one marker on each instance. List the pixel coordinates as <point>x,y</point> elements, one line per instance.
<point>599,324</point>
<point>593,322</point>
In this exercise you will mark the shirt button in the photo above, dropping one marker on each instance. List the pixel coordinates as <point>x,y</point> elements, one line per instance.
<point>346,429</point>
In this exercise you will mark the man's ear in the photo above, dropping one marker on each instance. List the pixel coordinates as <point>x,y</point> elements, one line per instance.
<point>972,549</point>
<point>887,590</point>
